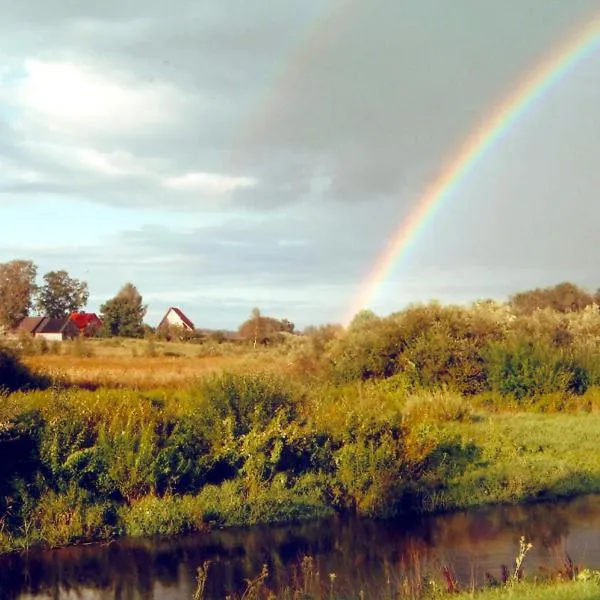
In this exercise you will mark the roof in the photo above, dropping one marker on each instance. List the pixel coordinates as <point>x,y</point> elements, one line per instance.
<point>36,325</point>
<point>180,314</point>
<point>53,325</point>
<point>30,324</point>
<point>82,320</point>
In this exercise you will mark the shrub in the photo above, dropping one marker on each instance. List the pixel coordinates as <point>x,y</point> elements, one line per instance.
<point>436,406</point>
<point>248,399</point>
<point>78,347</point>
<point>523,368</point>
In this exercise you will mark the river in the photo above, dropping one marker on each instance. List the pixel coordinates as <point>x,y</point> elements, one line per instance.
<point>363,554</point>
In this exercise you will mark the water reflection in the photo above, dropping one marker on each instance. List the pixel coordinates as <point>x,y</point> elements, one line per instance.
<point>363,554</point>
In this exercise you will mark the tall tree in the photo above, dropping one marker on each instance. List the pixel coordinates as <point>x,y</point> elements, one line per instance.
<point>17,290</point>
<point>124,314</point>
<point>61,294</point>
<point>264,330</point>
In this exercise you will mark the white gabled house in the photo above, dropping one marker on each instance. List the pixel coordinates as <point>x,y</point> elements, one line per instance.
<point>176,318</point>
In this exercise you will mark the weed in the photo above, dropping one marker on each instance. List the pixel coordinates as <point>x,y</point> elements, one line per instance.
<point>201,579</point>
<point>524,548</point>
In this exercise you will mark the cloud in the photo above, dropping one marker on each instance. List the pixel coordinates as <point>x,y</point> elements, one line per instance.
<point>70,95</point>
<point>114,164</point>
<point>208,182</point>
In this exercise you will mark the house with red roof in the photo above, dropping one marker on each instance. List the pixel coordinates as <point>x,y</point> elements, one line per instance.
<point>88,324</point>
<point>175,318</point>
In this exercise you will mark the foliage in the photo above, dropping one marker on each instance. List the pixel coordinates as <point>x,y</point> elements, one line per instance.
<point>564,297</point>
<point>61,294</point>
<point>169,515</point>
<point>123,315</point>
<point>526,368</point>
<point>242,448</point>
<point>431,408</point>
<point>264,330</point>
<point>17,291</point>
<point>474,350</point>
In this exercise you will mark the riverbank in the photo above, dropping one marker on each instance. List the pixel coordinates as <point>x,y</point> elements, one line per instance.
<point>248,448</point>
<point>401,558</point>
<point>572,590</point>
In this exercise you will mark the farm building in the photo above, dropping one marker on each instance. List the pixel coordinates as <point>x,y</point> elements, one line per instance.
<point>87,323</point>
<point>49,329</point>
<point>175,318</point>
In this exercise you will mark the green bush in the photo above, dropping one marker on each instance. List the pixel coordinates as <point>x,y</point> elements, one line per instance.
<point>524,368</point>
<point>249,400</point>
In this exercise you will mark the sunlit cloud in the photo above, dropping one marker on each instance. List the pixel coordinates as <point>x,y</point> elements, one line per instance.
<point>208,182</point>
<point>72,95</point>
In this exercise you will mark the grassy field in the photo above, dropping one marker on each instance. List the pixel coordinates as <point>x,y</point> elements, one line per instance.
<point>521,457</point>
<point>144,364</point>
<point>129,372</point>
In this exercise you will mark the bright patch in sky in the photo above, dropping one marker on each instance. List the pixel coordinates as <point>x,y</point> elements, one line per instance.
<point>208,182</point>
<point>75,94</point>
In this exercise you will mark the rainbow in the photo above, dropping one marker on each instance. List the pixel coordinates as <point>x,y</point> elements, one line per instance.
<point>477,145</point>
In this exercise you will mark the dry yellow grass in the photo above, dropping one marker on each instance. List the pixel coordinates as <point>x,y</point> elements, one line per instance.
<point>144,364</point>
<point>144,372</point>
<point>113,371</point>
<point>123,347</point>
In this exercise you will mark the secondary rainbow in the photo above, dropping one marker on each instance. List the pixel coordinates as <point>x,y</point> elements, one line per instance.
<point>479,142</point>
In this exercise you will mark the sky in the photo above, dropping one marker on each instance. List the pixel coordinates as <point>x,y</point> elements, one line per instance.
<point>229,155</point>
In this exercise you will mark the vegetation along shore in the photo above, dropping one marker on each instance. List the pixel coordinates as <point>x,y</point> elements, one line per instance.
<point>429,409</point>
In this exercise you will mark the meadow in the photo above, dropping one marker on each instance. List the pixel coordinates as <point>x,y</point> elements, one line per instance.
<point>134,363</point>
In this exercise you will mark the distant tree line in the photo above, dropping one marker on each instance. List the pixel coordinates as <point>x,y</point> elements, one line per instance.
<point>123,315</point>
<point>60,295</point>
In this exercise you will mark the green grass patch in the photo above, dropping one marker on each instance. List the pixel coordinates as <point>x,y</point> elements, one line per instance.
<point>571,590</point>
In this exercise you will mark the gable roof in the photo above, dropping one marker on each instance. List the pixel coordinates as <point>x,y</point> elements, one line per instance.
<point>82,320</point>
<point>30,324</point>
<point>35,325</point>
<point>180,314</point>
<point>53,325</point>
